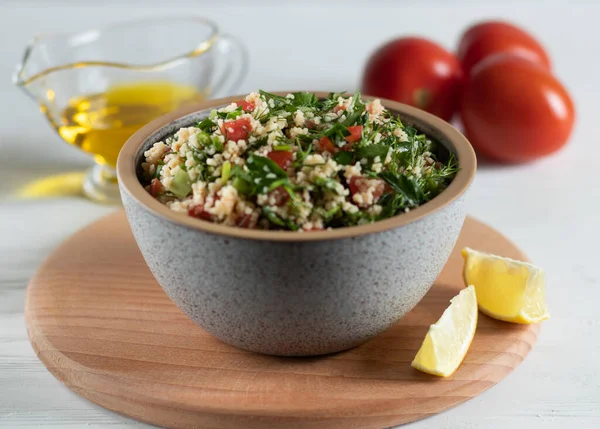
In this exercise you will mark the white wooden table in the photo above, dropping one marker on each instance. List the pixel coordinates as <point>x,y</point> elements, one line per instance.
<point>550,208</point>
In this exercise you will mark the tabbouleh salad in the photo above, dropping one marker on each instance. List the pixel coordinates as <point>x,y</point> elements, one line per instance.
<point>297,163</point>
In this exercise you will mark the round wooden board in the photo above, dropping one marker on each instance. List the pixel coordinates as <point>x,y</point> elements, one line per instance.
<point>103,326</point>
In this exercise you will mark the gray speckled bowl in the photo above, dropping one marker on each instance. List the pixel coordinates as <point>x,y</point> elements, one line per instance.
<point>290,293</point>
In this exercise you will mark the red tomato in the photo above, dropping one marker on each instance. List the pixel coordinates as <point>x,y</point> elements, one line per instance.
<point>355,133</point>
<point>326,145</point>
<point>200,213</point>
<point>244,221</point>
<point>246,106</point>
<point>314,228</point>
<point>493,37</point>
<point>514,110</point>
<point>280,196</point>
<point>339,108</point>
<point>282,158</point>
<point>355,183</point>
<point>417,72</point>
<point>156,188</point>
<point>236,130</point>
<point>362,184</point>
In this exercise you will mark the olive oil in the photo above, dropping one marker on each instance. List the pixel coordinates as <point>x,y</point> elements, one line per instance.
<point>100,124</point>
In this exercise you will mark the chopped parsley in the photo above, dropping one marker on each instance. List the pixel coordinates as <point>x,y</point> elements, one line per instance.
<point>297,162</point>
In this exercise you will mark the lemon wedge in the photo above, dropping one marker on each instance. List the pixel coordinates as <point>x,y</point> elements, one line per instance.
<point>508,290</point>
<point>448,340</point>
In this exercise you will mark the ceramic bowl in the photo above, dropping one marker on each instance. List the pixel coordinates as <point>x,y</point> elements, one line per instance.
<point>290,293</point>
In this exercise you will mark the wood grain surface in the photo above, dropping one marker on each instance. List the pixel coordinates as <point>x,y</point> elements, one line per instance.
<point>102,325</point>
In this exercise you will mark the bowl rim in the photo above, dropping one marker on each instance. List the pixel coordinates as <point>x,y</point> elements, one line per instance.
<point>129,183</point>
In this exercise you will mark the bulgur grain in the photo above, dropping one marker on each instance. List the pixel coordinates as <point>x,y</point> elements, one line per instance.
<point>297,163</point>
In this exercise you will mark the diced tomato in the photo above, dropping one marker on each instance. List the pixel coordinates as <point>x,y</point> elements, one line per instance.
<point>347,147</point>
<point>282,158</point>
<point>244,221</point>
<point>355,133</point>
<point>279,196</point>
<point>379,189</point>
<point>310,124</point>
<point>247,106</point>
<point>200,213</point>
<point>362,184</point>
<point>326,145</point>
<point>355,183</point>
<point>236,130</point>
<point>339,108</point>
<point>156,188</point>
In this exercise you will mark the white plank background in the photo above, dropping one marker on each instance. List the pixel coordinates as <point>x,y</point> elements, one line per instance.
<point>550,208</point>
